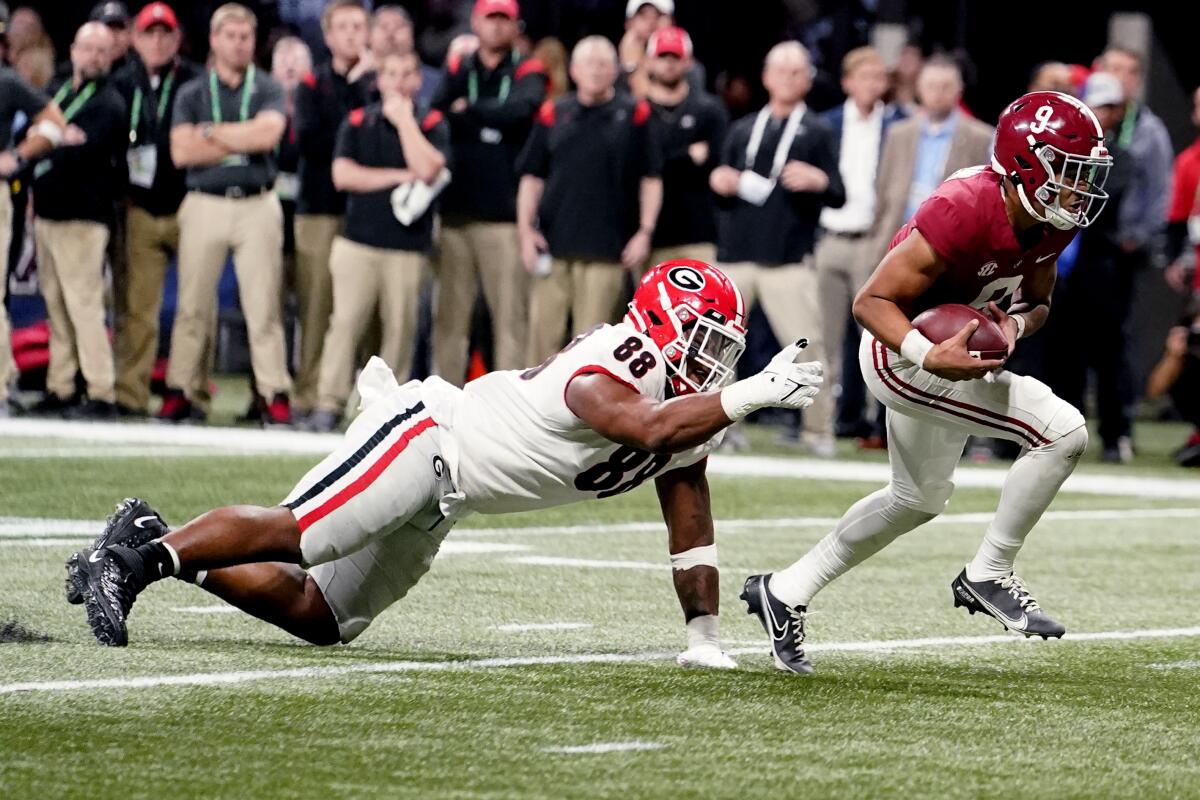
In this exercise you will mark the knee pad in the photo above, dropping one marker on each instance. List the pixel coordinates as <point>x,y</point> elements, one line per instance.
<point>1072,444</point>
<point>928,500</point>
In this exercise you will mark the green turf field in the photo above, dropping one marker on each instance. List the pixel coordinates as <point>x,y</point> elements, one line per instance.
<point>442,697</point>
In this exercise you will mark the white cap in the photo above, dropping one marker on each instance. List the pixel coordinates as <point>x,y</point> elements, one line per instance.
<point>664,7</point>
<point>1103,89</point>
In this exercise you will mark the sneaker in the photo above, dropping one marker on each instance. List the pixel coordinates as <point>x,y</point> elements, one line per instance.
<point>132,524</point>
<point>1189,456</point>
<point>322,421</point>
<point>129,412</point>
<point>92,411</point>
<point>708,656</point>
<point>1120,452</point>
<point>821,446</point>
<point>177,408</point>
<point>51,405</point>
<point>1008,601</point>
<point>113,576</point>
<point>784,624</point>
<point>277,413</point>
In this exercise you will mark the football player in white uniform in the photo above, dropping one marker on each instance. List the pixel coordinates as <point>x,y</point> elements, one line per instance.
<point>646,398</point>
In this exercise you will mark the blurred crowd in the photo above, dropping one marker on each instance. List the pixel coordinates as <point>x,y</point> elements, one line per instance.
<point>472,214</point>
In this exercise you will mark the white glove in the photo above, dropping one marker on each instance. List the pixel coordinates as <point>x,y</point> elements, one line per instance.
<point>705,656</point>
<point>783,384</point>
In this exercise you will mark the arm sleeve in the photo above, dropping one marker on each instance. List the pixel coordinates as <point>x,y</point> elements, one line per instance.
<point>718,132</point>
<point>535,156</point>
<point>187,106</point>
<point>626,356</point>
<point>272,97</point>
<point>826,160</point>
<point>347,142</point>
<point>24,97</point>
<point>312,137</point>
<point>648,140</point>
<point>439,137</point>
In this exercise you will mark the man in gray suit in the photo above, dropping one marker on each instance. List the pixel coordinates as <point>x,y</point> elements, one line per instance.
<point>921,152</point>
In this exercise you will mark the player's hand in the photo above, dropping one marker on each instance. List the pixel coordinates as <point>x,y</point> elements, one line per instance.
<point>951,359</point>
<point>636,251</point>
<point>724,181</point>
<point>533,244</point>
<point>698,152</point>
<point>397,109</point>
<point>798,176</point>
<point>705,656</point>
<point>1006,323</point>
<point>783,384</point>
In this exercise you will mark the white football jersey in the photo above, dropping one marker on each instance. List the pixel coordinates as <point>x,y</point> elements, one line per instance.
<point>520,448</point>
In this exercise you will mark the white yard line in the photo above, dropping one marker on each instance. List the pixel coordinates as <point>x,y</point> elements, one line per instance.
<point>248,440</point>
<point>206,610</point>
<point>386,667</point>
<point>605,747</point>
<point>589,563</point>
<point>542,626</point>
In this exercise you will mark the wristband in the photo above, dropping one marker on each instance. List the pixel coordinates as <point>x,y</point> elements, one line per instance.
<point>49,131</point>
<point>739,399</point>
<point>1020,320</point>
<point>915,347</point>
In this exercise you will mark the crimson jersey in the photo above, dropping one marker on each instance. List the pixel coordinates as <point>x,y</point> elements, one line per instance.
<point>965,223</point>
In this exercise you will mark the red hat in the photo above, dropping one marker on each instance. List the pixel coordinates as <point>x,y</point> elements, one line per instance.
<point>669,41</point>
<point>485,8</point>
<point>156,14</point>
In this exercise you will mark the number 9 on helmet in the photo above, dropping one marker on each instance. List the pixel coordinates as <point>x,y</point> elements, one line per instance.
<point>696,318</point>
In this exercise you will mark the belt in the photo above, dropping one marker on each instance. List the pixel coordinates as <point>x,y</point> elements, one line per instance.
<point>847,234</point>
<point>236,192</point>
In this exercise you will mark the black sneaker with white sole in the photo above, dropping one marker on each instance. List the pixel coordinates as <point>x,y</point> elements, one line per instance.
<point>783,623</point>
<point>113,576</point>
<point>1009,602</point>
<point>132,524</point>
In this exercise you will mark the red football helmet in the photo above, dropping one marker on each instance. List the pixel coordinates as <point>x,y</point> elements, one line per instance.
<point>1047,142</point>
<point>696,316</point>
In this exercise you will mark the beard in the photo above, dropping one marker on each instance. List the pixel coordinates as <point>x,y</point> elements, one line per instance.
<point>667,84</point>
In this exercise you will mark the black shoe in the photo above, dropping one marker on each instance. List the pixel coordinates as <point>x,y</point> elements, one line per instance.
<point>176,408</point>
<point>129,412</point>
<point>132,525</point>
<point>113,577</point>
<point>322,421</point>
<point>92,411</point>
<point>51,405</point>
<point>1188,456</point>
<point>1008,601</point>
<point>784,624</point>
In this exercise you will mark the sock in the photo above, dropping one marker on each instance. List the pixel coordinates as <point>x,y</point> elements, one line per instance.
<point>159,560</point>
<point>193,576</point>
<point>702,631</point>
<point>865,529</point>
<point>1032,482</point>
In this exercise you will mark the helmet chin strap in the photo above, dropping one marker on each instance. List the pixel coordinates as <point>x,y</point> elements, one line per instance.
<point>1060,221</point>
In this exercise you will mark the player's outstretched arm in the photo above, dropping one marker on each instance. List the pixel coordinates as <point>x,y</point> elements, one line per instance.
<point>618,412</point>
<point>881,306</point>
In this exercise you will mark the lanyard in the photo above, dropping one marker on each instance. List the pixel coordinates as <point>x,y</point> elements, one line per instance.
<point>247,88</point>
<point>785,141</point>
<point>135,113</point>
<point>1127,126</point>
<point>473,83</point>
<point>80,99</point>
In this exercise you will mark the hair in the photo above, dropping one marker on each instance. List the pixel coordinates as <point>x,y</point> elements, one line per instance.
<point>790,47</point>
<point>290,43</point>
<point>232,12</point>
<point>392,9</point>
<point>588,43</point>
<point>1125,51</point>
<point>858,57</point>
<point>940,61</point>
<point>335,6</point>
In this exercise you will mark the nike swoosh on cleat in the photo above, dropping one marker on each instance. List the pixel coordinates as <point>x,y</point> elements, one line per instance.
<point>778,631</point>
<point>137,523</point>
<point>94,557</point>
<point>1009,622</point>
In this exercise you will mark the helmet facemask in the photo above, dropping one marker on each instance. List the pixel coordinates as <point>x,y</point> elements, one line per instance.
<point>704,355</point>
<point>1082,176</point>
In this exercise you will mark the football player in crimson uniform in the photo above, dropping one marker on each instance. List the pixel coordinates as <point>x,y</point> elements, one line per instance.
<point>646,398</point>
<point>989,238</point>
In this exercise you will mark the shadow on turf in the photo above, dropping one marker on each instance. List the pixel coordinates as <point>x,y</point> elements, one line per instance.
<point>13,632</point>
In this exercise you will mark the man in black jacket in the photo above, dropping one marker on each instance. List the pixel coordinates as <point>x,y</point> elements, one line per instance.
<point>148,84</point>
<point>489,98</point>
<point>74,191</point>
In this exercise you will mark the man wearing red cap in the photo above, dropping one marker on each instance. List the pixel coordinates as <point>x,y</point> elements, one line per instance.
<point>148,84</point>
<point>490,98</point>
<point>692,126</point>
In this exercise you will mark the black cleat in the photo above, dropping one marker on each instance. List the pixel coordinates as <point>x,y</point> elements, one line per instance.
<point>132,525</point>
<point>112,579</point>
<point>1009,602</point>
<point>784,624</point>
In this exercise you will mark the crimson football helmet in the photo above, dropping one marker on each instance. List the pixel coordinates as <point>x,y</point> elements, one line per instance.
<point>1047,142</point>
<point>696,317</point>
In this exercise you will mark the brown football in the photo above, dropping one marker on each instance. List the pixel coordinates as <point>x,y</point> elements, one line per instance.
<point>941,323</point>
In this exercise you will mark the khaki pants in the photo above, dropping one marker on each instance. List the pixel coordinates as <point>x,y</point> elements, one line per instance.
<point>587,291</point>
<point>843,266</point>
<point>789,298</point>
<point>151,240</point>
<point>365,279</point>
<point>471,255</point>
<point>314,298</point>
<point>7,368</point>
<point>701,251</point>
<point>71,274</point>
<point>209,227</point>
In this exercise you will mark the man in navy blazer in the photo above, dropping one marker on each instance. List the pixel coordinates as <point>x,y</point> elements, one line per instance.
<point>844,256</point>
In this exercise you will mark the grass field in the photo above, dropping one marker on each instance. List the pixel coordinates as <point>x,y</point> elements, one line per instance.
<point>538,639</point>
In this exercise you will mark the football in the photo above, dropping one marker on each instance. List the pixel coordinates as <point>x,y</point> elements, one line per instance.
<point>941,323</point>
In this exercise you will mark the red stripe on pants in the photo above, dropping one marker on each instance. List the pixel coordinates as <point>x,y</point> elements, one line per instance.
<point>363,481</point>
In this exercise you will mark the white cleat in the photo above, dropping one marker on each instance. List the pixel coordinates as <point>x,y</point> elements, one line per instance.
<point>705,657</point>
